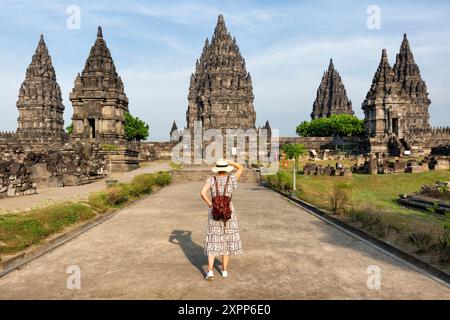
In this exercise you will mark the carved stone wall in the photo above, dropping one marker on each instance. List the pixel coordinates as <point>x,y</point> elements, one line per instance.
<point>221,91</point>
<point>98,98</point>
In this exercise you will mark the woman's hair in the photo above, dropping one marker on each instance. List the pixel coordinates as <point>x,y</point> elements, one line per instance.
<point>220,172</point>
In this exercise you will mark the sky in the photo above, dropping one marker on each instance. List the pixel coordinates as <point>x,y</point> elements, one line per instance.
<point>286,44</point>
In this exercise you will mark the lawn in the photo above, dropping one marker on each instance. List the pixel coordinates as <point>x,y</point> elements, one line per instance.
<point>369,202</point>
<point>381,191</point>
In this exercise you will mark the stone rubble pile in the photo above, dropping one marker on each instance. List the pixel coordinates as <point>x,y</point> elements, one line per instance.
<point>74,164</point>
<point>317,169</point>
<point>373,165</point>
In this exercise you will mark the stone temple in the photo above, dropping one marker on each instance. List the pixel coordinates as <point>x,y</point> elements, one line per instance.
<point>221,91</point>
<point>396,106</point>
<point>98,98</point>
<point>331,96</point>
<point>40,104</point>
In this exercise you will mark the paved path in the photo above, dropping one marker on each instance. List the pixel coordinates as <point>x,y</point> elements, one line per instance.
<point>47,196</point>
<point>153,250</point>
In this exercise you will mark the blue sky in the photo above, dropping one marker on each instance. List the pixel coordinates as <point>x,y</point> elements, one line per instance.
<point>287,46</point>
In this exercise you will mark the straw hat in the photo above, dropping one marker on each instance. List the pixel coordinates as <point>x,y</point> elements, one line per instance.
<point>222,165</point>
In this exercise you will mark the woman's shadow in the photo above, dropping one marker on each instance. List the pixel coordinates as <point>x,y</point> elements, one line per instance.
<point>192,251</point>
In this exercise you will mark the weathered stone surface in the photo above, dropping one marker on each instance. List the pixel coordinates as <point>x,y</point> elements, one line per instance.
<point>71,164</point>
<point>98,98</point>
<point>331,96</point>
<point>11,192</point>
<point>40,102</point>
<point>396,109</point>
<point>407,75</point>
<point>221,91</point>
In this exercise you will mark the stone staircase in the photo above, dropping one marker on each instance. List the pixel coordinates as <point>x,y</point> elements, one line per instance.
<point>200,174</point>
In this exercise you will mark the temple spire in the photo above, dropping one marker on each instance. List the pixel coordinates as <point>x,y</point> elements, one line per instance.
<point>97,83</point>
<point>331,95</point>
<point>407,73</point>
<point>99,32</point>
<point>40,98</point>
<point>221,80</point>
<point>383,82</point>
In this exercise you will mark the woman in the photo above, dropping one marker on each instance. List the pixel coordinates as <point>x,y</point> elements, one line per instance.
<point>222,238</point>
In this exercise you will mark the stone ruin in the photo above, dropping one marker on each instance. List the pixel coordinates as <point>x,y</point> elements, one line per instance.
<point>434,198</point>
<point>41,153</point>
<point>396,109</point>
<point>73,164</point>
<point>321,170</point>
<point>371,164</point>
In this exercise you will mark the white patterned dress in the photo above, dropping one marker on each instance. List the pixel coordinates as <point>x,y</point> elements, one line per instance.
<point>222,238</point>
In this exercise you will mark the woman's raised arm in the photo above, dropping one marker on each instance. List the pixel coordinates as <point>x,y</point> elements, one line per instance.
<point>238,167</point>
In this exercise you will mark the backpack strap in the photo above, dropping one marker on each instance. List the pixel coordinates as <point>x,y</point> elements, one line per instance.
<point>217,187</point>
<point>226,185</point>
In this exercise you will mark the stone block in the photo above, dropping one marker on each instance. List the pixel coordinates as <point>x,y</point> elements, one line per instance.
<point>70,180</point>
<point>29,192</point>
<point>11,192</point>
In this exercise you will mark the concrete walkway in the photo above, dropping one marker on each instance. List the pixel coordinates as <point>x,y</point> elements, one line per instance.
<point>47,196</point>
<point>153,250</point>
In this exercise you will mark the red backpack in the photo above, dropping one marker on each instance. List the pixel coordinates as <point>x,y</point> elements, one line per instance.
<point>221,208</point>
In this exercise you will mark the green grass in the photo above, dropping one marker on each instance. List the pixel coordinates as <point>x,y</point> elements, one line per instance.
<point>381,191</point>
<point>19,231</point>
<point>371,204</point>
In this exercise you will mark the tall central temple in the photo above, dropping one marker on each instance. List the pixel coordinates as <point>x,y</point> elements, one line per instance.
<point>221,91</point>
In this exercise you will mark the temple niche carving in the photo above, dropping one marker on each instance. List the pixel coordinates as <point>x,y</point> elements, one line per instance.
<point>98,98</point>
<point>40,103</point>
<point>221,91</point>
<point>397,104</point>
<point>331,96</point>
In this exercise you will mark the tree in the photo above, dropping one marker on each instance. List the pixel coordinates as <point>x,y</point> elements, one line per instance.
<point>135,128</point>
<point>294,151</point>
<point>341,124</point>
<point>69,129</point>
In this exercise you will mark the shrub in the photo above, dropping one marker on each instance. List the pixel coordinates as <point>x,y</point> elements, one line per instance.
<point>284,180</point>
<point>115,196</point>
<point>163,179</point>
<point>142,184</point>
<point>340,198</point>
<point>97,201</point>
<point>422,240</point>
<point>272,181</point>
<point>443,246</point>
<point>373,220</point>
<point>342,124</point>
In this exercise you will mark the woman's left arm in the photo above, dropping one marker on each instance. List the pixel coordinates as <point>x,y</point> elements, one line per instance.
<point>204,194</point>
<point>239,168</point>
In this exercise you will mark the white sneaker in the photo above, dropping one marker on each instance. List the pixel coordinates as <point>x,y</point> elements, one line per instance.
<point>225,274</point>
<point>209,275</point>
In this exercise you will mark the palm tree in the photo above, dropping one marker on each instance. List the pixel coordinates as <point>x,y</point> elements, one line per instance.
<point>294,151</point>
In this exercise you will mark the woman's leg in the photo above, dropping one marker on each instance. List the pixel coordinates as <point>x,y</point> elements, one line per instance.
<point>211,262</point>
<point>225,259</point>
